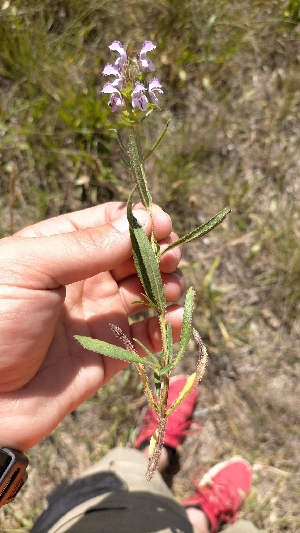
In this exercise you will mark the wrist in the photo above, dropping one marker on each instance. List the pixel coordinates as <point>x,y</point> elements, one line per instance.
<point>13,474</point>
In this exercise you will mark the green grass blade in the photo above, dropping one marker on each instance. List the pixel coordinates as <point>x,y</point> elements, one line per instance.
<point>201,230</point>
<point>104,348</point>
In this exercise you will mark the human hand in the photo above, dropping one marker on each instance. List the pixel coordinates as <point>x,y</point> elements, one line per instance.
<point>69,275</point>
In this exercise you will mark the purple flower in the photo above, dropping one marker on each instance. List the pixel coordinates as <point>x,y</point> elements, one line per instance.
<point>145,63</point>
<point>116,101</point>
<point>139,100</point>
<point>154,85</point>
<point>116,46</point>
<point>111,70</point>
<point>127,71</point>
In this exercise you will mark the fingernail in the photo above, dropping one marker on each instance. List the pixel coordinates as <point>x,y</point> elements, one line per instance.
<point>122,225</point>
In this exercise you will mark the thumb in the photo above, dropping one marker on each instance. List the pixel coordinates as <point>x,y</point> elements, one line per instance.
<point>51,261</point>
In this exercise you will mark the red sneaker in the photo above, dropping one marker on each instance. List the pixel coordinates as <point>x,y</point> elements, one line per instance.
<point>222,491</point>
<point>178,421</point>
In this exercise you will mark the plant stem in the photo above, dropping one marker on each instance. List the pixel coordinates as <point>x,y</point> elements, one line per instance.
<point>162,315</point>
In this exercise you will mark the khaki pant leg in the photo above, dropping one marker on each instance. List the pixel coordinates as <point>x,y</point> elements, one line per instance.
<point>241,526</point>
<point>143,508</point>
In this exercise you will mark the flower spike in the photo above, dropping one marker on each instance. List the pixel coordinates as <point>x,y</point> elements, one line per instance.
<point>126,89</point>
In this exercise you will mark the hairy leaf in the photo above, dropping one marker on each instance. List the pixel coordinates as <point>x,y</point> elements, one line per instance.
<point>126,163</point>
<point>200,231</point>
<point>186,328</point>
<point>190,384</point>
<point>145,261</point>
<point>94,345</point>
<point>194,379</point>
<point>119,140</point>
<point>151,355</point>
<point>160,138</point>
<point>166,369</point>
<point>203,355</point>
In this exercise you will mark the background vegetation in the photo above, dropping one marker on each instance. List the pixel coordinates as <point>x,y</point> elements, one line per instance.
<point>230,71</point>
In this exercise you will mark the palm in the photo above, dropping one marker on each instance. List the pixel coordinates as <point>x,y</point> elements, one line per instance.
<point>59,374</point>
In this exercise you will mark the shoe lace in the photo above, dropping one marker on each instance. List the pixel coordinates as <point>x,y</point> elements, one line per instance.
<point>221,500</point>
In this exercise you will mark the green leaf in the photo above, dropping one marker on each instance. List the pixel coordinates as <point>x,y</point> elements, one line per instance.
<point>200,231</point>
<point>186,328</point>
<point>138,174</point>
<point>119,140</point>
<point>146,115</point>
<point>166,369</point>
<point>194,379</point>
<point>145,261</point>
<point>157,142</point>
<point>147,351</point>
<point>94,345</point>
<point>146,302</point>
<point>126,163</point>
<point>140,302</point>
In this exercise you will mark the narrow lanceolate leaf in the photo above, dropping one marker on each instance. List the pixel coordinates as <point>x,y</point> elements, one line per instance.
<point>194,379</point>
<point>160,138</point>
<point>190,384</point>
<point>145,261</point>
<point>201,230</point>
<point>203,356</point>
<point>147,351</point>
<point>166,369</point>
<point>111,350</point>
<point>139,174</point>
<point>120,140</point>
<point>186,328</point>
<point>126,163</point>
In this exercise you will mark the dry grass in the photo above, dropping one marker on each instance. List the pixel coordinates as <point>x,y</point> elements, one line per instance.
<point>231,76</point>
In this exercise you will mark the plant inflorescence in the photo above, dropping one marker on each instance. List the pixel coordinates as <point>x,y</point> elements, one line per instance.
<point>135,98</point>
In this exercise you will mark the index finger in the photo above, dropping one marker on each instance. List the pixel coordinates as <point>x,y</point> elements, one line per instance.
<point>94,217</point>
